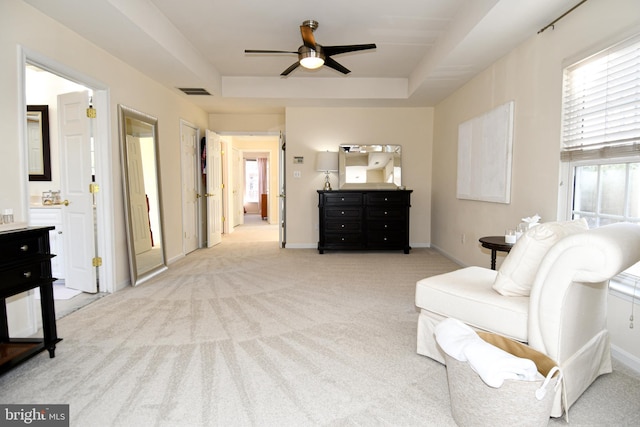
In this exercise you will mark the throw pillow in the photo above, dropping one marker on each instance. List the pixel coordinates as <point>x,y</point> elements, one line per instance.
<point>518,271</point>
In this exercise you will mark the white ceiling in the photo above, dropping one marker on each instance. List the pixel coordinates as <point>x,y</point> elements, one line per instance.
<point>425,48</point>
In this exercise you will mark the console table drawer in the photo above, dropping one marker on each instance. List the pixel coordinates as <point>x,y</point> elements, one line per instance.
<point>21,249</point>
<point>17,276</point>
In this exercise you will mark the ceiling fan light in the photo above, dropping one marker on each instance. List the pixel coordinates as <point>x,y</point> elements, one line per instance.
<point>309,58</point>
<point>312,62</point>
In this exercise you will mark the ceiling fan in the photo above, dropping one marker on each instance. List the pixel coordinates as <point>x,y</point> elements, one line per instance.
<point>312,55</point>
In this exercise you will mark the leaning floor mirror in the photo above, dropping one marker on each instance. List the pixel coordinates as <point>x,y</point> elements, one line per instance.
<point>141,179</point>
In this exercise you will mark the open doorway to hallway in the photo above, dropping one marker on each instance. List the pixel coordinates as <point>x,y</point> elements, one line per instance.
<point>251,181</point>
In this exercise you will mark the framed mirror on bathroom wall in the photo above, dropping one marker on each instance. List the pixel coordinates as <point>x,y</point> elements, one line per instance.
<point>38,143</point>
<point>142,192</point>
<point>370,166</point>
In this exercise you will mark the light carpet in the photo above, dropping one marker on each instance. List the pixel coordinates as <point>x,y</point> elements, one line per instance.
<point>247,334</point>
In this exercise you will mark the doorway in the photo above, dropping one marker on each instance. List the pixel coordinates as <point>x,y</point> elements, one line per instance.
<point>57,79</point>
<point>243,147</point>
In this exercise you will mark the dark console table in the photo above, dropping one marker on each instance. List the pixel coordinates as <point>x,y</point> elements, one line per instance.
<point>25,263</point>
<point>364,220</point>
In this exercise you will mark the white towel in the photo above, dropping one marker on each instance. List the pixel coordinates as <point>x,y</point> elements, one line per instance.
<point>493,364</point>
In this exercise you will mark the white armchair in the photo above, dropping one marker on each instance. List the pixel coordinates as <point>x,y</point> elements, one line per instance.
<point>564,316</point>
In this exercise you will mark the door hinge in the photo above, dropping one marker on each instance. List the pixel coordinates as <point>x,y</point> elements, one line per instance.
<point>222,186</point>
<point>223,219</point>
<point>94,188</point>
<point>97,261</point>
<point>92,113</point>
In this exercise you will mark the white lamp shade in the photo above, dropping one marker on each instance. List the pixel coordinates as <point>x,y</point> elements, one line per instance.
<point>327,161</point>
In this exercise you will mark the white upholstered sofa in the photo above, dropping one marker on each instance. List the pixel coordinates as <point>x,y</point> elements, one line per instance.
<point>563,314</point>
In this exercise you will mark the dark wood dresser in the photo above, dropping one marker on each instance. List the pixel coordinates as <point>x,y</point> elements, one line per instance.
<point>364,220</point>
<point>25,263</point>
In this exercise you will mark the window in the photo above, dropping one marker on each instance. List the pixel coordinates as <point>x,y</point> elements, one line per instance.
<point>601,140</point>
<point>251,181</point>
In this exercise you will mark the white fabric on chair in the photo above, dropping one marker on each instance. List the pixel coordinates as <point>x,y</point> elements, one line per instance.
<point>491,363</point>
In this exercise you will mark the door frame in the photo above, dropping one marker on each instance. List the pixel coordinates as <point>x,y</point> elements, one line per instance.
<point>105,222</point>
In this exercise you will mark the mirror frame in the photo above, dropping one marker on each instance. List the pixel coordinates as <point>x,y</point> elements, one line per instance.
<point>394,149</point>
<point>138,277</point>
<point>45,142</point>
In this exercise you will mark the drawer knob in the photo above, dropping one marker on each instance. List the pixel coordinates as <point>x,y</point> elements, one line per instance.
<point>385,239</point>
<point>342,238</point>
<point>342,212</point>
<point>386,213</point>
<point>385,226</point>
<point>24,248</point>
<point>342,199</point>
<point>385,199</point>
<point>342,225</point>
<point>26,274</point>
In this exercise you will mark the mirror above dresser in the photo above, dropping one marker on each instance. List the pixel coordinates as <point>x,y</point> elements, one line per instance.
<point>370,166</point>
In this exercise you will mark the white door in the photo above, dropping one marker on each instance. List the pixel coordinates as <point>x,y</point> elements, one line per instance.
<point>214,189</point>
<point>190,174</point>
<point>77,215</point>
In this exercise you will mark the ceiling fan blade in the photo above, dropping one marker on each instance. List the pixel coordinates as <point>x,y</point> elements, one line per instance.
<point>307,36</point>
<point>290,69</point>
<point>335,50</point>
<point>268,51</point>
<point>331,63</point>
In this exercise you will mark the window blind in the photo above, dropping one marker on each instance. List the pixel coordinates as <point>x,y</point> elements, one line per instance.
<point>601,104</point>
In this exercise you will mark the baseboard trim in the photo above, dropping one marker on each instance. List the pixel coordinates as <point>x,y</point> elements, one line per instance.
<point>626,358</point>
<point>449,256</point>
<point>301,246</point>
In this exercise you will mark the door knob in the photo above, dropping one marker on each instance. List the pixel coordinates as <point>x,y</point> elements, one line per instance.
<point>66,203</point>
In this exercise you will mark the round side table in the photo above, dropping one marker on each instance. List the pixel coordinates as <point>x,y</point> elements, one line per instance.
<point>495,243</point>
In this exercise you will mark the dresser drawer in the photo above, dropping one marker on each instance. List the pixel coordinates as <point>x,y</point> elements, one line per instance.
<point>346,226</point>
<point>347,212</point>
<point>390,212</point>
<point>384,198</point>
<point>391,225</point>
<point>343,238</point>
<point>332,199</point>
<point>381,239</point>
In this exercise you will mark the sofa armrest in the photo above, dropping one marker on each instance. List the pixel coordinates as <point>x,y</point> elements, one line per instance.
<point>570,289</point>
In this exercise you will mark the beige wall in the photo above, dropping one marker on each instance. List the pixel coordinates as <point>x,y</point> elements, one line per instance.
<point>21,25</point>
<point>531,75</point>
<point>310,130</point>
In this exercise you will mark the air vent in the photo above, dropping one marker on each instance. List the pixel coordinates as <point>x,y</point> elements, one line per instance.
<point>194,91</point>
